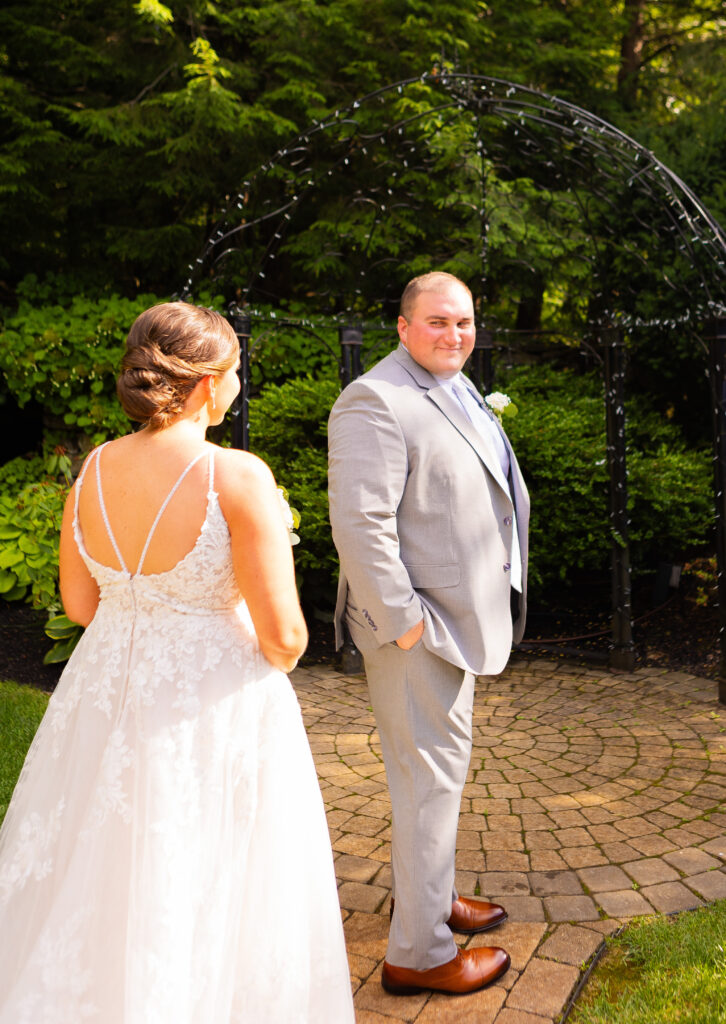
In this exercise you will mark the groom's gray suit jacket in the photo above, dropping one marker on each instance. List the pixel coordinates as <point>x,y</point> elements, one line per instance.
<point>422,518</point>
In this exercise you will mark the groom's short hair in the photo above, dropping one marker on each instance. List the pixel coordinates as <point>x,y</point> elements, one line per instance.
<point>434,281</point>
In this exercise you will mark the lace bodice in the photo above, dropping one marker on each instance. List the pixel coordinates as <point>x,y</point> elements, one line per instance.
<point>182,621</point>
<point>202,579</point>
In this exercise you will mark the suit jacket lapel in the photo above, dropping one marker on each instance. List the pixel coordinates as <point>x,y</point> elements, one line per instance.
<point>458,418</point>
<point>454,412</point>
<point>497,423</point>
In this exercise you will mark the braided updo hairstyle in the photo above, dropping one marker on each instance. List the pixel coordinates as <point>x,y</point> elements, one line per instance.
<point>169,349</point>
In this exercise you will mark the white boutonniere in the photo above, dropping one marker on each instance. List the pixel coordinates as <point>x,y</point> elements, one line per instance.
<point>500,404</point>
<point>290,515</point>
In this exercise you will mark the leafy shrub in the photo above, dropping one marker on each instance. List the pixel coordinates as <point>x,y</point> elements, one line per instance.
<point>282,351</point>
<point>559,438</point>
<point>288,429</point>
<point>66,352</point>
<point>30,521</point>
<point>66,357</point>
<point>25,469</point>
<point>66,635</point>
<point>31,508</point>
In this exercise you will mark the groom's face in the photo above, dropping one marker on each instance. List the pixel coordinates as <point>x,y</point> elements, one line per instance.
<point>439,332</point>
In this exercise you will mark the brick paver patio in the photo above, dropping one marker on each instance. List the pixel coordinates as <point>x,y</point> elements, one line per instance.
<point>592,797</point>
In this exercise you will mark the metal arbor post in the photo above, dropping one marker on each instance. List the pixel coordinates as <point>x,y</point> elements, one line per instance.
<point>351,367</point>
<point>717,354</point>
<point>241,409</point>
<point>482,370</point>
<point>351,341</point>
<point>622,650</point>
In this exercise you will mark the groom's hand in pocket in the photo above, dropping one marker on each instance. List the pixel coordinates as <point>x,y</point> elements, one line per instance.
<point>411,636</point>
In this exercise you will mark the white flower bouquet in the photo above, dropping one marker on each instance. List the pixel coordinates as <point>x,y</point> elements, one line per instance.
<point>290,515</point>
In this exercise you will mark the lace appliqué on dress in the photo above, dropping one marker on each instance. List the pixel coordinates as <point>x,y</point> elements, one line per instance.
<point>32,854</point>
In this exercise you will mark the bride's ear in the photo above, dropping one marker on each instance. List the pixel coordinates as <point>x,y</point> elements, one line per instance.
<point>203,394</point>
<point>210,389</point>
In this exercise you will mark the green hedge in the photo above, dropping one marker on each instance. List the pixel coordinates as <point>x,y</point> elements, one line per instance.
<point>558,434</point>
<point>288,429</point>
<point>31,509</point>
<point>63,350</point>
<point>559,437</point>
<point>66,355</point>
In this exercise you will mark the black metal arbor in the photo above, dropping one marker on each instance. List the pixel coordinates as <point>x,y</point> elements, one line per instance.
<point>510,189</point>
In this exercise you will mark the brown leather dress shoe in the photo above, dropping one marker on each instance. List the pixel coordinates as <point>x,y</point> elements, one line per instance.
<point>470,970</point>
<point>471,916</point>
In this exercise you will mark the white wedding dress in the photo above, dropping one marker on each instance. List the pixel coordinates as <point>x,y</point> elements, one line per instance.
<point>165,858</point>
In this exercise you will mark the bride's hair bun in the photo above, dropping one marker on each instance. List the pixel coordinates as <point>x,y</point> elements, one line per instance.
<point>170,347</point>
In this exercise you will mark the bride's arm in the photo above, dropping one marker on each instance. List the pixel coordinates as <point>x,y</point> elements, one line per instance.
<point>262,555</point>
<point>79,590</point>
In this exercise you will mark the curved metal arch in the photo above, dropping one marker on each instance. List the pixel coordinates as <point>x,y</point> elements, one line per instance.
<point>528,163</point>
<point>592,163</point>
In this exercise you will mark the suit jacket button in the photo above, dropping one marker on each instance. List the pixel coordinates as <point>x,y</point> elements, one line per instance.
<point>507,520</point>
<point>507,566</point>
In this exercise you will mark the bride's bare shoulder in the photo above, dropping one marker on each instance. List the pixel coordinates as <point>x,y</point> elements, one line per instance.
<point>116,448</point>
<point>240,474</point>
<point>109,446</point>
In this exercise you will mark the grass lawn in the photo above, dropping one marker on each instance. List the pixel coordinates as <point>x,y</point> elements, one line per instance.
<point>667,970</point>
<point>21,709</point>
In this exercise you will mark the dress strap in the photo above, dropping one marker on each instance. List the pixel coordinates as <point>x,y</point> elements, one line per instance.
<point>104,513</point>
<point>211,471</point>
<point>160,513</point>
<point>79,481</point>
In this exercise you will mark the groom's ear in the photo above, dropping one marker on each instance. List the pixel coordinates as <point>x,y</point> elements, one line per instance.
<point>402,328</point>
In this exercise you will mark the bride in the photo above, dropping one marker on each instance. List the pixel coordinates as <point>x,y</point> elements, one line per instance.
<point>165,857</point>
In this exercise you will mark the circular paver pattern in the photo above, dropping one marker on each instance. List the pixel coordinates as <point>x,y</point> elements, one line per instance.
<point>592,797</point>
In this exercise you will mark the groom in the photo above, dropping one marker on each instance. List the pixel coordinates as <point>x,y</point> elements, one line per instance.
<point>429,514</point>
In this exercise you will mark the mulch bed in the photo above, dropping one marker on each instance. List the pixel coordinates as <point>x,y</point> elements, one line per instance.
<point>23,645</point>
<point>681,634</point>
